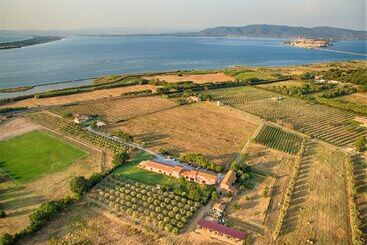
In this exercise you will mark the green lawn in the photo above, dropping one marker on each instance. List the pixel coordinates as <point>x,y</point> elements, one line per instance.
<point>31,155</point>
<point>244,76</point>
<point>130,170</point>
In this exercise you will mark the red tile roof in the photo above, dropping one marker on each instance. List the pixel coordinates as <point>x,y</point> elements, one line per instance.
<point>222,229</point>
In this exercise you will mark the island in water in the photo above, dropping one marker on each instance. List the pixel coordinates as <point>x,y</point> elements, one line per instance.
<point>309,43</point>
<point>29,42</point>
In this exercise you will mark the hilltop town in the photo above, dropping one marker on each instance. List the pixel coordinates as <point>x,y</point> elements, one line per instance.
<point>309,43</point>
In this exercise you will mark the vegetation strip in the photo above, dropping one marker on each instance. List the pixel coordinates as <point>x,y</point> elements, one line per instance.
<point>358,238</point>
<point>288,192</point>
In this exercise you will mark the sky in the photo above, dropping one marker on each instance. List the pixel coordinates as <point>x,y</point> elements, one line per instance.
<point>178,14</point>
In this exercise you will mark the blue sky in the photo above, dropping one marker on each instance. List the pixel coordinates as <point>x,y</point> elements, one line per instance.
<point>179,14</point>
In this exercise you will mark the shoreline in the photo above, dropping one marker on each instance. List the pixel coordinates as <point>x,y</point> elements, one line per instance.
<point>29,42</point>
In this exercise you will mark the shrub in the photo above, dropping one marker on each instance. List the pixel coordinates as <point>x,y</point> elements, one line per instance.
<point>67,115</point>
<point>6,239</point>
<point>45,213</point>
<point>360,143</point>
<point>2,214</point>
<point>120,158</point>
<point>78,185</point>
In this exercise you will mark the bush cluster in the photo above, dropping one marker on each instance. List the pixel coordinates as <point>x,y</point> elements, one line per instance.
<point>38,219</point>
<point>200,160</point>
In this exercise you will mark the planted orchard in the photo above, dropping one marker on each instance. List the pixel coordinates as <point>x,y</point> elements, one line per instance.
<point>316,120</point>
<point>276,138</point>
<point>145,203</point>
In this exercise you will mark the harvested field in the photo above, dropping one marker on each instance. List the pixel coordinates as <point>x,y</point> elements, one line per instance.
<point>318,209</point>
<point>196,78</point>
<point>360,98</point>
<point>250,205</point>
<point>66,99</point>
<point>280,164</point>
<point>87,225</point>
<point>217,132</point>
<point>114,110</point>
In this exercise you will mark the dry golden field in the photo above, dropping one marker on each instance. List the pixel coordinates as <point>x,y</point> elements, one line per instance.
<point>319,206</point>
<point>217,132</point>
<point>272,162</point>
<point>250,206</point>
<point>359,98</point>
<point>93,95</point>
<point>114,110</point>
<point>86,225</point>
<point>196,78</point>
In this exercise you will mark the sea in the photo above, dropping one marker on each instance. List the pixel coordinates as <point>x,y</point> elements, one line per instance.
<point>76,60</point>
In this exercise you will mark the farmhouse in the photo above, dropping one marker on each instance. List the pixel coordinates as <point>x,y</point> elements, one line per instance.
<point>219,231</point>
<point>80,118</point>
<point>177,172</point>
<point>161,168</point>
<point>228,180</point>
<point>219,208</point>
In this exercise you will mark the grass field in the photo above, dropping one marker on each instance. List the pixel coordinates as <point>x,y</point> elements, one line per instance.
<point>39,181</point>
<point>247,75</point>
<point>131,171</point>
<point>217,132</point>
<point>34,154</point>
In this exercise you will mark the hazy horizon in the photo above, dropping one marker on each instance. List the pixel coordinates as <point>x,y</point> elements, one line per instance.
<point>170,15</point>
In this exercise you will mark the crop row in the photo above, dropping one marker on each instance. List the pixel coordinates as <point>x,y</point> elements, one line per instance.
<point>95,139</point>
<point>276,138</point>
<point>161,208</point>
<point>319,121</point>
<point>60,124</point>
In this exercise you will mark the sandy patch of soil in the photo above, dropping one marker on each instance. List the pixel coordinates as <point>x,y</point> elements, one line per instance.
<point>16,127</point>
<point>201,78</point>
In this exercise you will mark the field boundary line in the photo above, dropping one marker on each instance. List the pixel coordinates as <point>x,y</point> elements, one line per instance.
<point>3,171</point>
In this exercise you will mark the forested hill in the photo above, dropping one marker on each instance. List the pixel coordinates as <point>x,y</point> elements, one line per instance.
<point>278,31</point>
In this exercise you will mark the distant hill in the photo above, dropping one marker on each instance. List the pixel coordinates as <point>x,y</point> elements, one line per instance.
<point>278,31</point>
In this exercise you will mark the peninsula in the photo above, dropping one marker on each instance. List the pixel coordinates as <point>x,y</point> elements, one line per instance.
<point>29,42</point>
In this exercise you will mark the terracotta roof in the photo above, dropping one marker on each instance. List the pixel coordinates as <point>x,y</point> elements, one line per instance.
<point>160,166</point>
<point>229,178</point>
<point>207,176</point>
<point>189,173</point>
<point>222,229</point>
